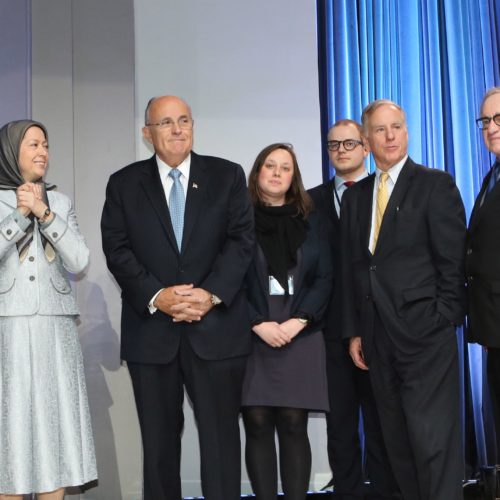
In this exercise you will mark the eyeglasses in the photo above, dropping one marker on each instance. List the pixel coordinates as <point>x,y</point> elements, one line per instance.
<point>184,123</point>
<point>349,144</point>
<point>484,121</point>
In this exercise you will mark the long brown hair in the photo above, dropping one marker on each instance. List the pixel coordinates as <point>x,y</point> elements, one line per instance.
<point>296,194</point>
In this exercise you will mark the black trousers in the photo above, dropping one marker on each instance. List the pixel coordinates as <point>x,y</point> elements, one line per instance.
<point>214,388</point>
<point>418,397</point>
<point>349,390</point>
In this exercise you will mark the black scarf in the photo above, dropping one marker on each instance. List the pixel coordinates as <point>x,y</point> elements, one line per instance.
<point>280,233</point>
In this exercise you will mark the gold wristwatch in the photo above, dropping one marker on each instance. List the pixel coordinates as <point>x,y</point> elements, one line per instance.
<point>46,214</point>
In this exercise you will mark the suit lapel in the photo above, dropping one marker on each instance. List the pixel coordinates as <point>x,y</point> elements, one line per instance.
<point>397,196</point>
<point>329,200</point>
<point>479,209</point>
<point>476,210</point>
<point>196,194</point>
<point>151,183</point>
<point>365,212</point>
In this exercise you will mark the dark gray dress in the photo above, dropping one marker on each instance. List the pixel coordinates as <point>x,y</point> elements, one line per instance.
<point>293,376</point>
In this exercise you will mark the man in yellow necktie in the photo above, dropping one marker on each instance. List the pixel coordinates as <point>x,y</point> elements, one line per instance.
<point>382,199</point>
<point>403,234</point>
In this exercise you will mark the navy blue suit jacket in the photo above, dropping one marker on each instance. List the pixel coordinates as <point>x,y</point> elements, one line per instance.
<point>415,278</point>
<point>141,253</point>
<point>323,198</point>
<point>312,285</point>
<point>483,268</point>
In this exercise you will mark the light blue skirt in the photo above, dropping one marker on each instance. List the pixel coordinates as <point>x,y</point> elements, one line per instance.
<point>45,432</point>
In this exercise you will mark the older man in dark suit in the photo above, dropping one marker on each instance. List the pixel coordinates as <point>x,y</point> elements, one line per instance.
<point>177,232</point>
<point>403,236</point>
<point>482,257</point>
<point>349,387</point>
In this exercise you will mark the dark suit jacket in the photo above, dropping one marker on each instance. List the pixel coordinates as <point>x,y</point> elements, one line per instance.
<point>312,286</point>
<point>142,255</point>
<point>415,278</point>
<point>322,196</point>
<point>483,268</point>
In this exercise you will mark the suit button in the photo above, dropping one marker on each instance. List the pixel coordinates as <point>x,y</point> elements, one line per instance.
<point>470,278</point>
<point>368,297</point>
<point>469,251</point>
<point>9,231</point>
<point>373,268</point>
<point>32,278</point>
<point>54,235</point>
<point>31,259</point>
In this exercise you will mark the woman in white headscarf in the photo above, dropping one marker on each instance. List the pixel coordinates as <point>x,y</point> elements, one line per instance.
<point>45,433</point>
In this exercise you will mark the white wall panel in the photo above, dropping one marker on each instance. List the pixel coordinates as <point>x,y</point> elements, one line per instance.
<point>249,71</point>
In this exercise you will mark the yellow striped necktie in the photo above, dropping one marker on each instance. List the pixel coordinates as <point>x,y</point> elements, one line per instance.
<point>382,200</point>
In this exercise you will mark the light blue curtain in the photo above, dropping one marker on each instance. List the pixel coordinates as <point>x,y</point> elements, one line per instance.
<point>436,58</point>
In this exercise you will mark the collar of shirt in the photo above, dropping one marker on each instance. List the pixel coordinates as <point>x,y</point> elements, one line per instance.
<point>393,171</point>
<point>340,187</point>
<point>339,181</point>
<point>393,177</point>
<point>167,181</point>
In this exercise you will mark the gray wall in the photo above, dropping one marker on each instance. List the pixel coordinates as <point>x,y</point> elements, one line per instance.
<point>15,60</point>
<point>249,70</point>
<point>83,90</point>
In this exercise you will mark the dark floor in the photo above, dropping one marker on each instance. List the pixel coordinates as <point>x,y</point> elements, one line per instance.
<point>318,495</point>
<point>472,491</point>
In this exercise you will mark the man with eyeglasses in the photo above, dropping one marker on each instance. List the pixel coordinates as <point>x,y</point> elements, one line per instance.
<point>177,232</point>
<point>348,386</point>
<point>482,259</point>
<point>403,237</point>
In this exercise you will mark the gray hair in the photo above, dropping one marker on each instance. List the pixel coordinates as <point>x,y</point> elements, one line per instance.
<point>373,106</point>
<point>492,91</point>
<point>148,106</point>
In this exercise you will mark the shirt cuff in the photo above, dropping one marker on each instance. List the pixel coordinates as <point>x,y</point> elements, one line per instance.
<point>151,307</point>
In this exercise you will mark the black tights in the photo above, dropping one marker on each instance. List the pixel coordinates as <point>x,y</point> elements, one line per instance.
<point>260,453</point>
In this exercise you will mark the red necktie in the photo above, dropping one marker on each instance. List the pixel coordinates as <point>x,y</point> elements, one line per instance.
<point>349,183</point>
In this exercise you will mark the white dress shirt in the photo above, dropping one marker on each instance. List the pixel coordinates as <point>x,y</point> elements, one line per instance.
<point>391,182</point>
<point>167,182</point>
<point>340,187</point>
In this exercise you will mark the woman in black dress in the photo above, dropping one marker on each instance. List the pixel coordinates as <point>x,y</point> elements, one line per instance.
<point>289,284</point>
